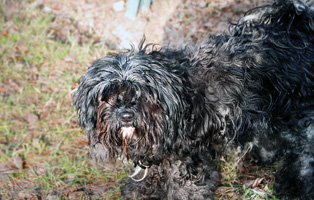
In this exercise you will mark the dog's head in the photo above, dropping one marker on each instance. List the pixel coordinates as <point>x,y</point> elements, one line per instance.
<point>134,103</point>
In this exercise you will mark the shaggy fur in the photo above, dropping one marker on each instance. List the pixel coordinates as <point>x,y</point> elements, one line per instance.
<point>139,106</point>
<point>172,113</point>
<point>261,76</point>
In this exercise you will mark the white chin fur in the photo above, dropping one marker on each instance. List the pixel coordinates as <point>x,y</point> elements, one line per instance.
<point>127,132</point>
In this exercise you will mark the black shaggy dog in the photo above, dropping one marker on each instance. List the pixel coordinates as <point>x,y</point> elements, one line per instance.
<point>169,114</point>
<point>139,106</point>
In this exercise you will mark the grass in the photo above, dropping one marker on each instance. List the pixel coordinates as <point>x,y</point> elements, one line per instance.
<point>37,120</point>
<point>244,180</point>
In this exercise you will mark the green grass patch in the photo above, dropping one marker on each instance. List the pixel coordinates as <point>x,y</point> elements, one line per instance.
<point>37,120</point>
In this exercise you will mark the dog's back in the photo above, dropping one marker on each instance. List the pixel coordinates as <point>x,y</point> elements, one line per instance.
<point>262,74</point>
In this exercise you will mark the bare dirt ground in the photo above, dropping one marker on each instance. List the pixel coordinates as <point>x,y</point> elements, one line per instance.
<point>173,22</point>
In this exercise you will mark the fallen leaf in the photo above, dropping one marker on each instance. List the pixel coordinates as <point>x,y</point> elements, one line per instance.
<point>257,182</point>
<point>241,168</point>
<point>71,176</point>
<point>22,48</point>
<point>32,118</point>
<point>253,183</point>
<point>35,142</point>
<point>5,34</point>
<point>18,162</point>
<point>68,59</point>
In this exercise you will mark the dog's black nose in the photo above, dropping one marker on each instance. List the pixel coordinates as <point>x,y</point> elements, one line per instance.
<point>126,116</point>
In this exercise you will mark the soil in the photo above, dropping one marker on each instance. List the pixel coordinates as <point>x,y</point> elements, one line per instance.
<point>169,22</point>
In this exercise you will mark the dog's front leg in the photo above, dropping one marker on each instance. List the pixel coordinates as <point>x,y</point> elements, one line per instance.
<point>152,187</point>
<point>197,182</point>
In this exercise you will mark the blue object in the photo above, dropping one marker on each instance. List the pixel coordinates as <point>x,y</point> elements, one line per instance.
<point>145,3</point>
<point>134,5</point>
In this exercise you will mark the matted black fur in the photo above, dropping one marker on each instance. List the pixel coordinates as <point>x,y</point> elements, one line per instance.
<point>172,113</point>
<point>261,76</point>
<point>139,106</point>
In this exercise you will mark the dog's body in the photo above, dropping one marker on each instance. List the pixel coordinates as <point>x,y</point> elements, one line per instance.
<point>173,112</point>
<point>262,75</point>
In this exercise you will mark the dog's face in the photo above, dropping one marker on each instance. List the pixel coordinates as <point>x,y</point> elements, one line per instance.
<point>133,104</point>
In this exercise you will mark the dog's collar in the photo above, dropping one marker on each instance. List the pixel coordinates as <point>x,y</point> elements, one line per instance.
<point>136,169</point>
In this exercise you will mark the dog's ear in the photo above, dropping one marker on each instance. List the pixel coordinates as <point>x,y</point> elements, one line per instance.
<point>92,84</point>
<point>85,98</point>
<point>85,101</point>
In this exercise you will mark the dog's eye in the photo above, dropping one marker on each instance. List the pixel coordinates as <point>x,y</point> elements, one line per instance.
<point>111,99</point>
<point>133,103</point>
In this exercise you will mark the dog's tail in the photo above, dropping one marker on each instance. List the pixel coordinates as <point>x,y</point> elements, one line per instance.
<point>291,20</point>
